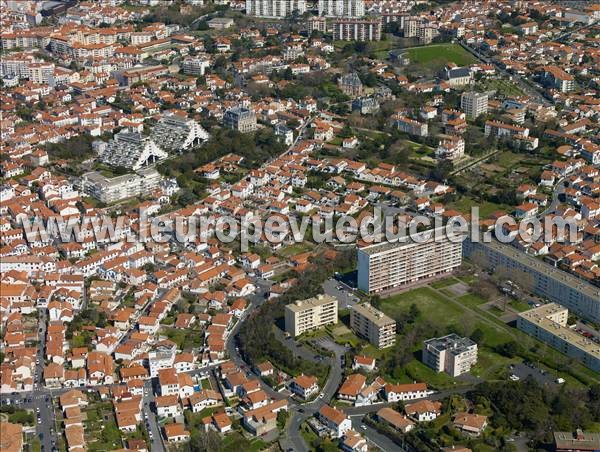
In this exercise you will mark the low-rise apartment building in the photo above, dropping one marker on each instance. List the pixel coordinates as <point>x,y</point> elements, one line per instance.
<point>411,126</point>
<point>548,323</point>
<point>109,190</point>
<point>373,325</point>
<point>310,314</point>
<point>452,354</point>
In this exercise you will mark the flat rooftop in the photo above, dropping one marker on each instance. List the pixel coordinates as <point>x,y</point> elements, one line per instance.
<point>452,343</point>
<point>543,267</point>
<point>373,315</point>
<point>539,316</point>
<point>310,303</point>
<point>418,239</point>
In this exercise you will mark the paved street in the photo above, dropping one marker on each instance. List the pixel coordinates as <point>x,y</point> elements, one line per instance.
<point>374,438</point>
<point>150,417</point>
<point>300,413</point>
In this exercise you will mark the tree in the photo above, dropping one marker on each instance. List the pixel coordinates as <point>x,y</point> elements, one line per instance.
<point>509,349</point>
<point>477,335</point>
<point>441,172</point>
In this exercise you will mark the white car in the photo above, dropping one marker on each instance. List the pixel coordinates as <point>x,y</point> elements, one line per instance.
<point>513,377</point>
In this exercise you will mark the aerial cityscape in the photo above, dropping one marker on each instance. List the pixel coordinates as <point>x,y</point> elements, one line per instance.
<point>299,225</point>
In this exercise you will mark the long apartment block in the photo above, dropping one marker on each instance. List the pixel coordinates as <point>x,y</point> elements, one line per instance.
<point>548,323</point>
<point>389,265</point>
<point>548,281</point>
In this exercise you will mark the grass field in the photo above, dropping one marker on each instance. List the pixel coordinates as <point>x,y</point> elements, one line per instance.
<point>440,54</point>
<point>504,87</point>
<point>486,208</point>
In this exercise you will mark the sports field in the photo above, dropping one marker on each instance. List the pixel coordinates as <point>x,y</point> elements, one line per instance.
<point>440,54</point>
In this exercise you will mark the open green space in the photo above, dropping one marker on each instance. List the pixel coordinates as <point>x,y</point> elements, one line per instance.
<point>428,301</point>
<point>444,283</point>
<point>442,312</point>
<point>437,55</point>
<point>486,208</point>
<point>503,87</point>
<point>294,249</point>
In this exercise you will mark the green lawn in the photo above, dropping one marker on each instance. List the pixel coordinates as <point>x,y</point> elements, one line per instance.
<point>443,283</point>
<point>185,339</point>
<point>471,300</point>
<point>519,305</point>
<point>486,208</point>
<point>432,305</point>
<point>440,54</point>
<point>504,87</point>
<point>294,249</point>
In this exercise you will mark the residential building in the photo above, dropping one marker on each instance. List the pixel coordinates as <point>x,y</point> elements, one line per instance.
<point>424,410</point>
<point>385,266</point>
<point>175,432</point>
<point>373,325</point>
<point>576,441</point>
<point>241,119</point>
<point>351,85</point>
<point>317,23</point>
<point>473,424</point>
<point>366,105</point>
<point>548,323</point>
<point>114,189</point>
<point>275,9</point>
<point>132,151</point>
<point>310,314</point>
<point>160,359</point>
<point>450,147</point>
<point>410,126</point>
<point>546,280</point>
<point>403,392</point>
<point>353,442</point>
<point>474,103</point>
<point>395,420</point>
<point>357,30</point>
<point>304,386</point>
<point>341,8</point>
<point>452,354</point>
<point>220,23</point>
<point>264,419</point>
<point>195,65</point>
<point>557,78</point>
<point>176,132</point>
<point>335,420</point>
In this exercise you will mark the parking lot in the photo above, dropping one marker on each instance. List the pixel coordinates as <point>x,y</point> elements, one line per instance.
<point>523,370</point>
<point>342,292</point>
